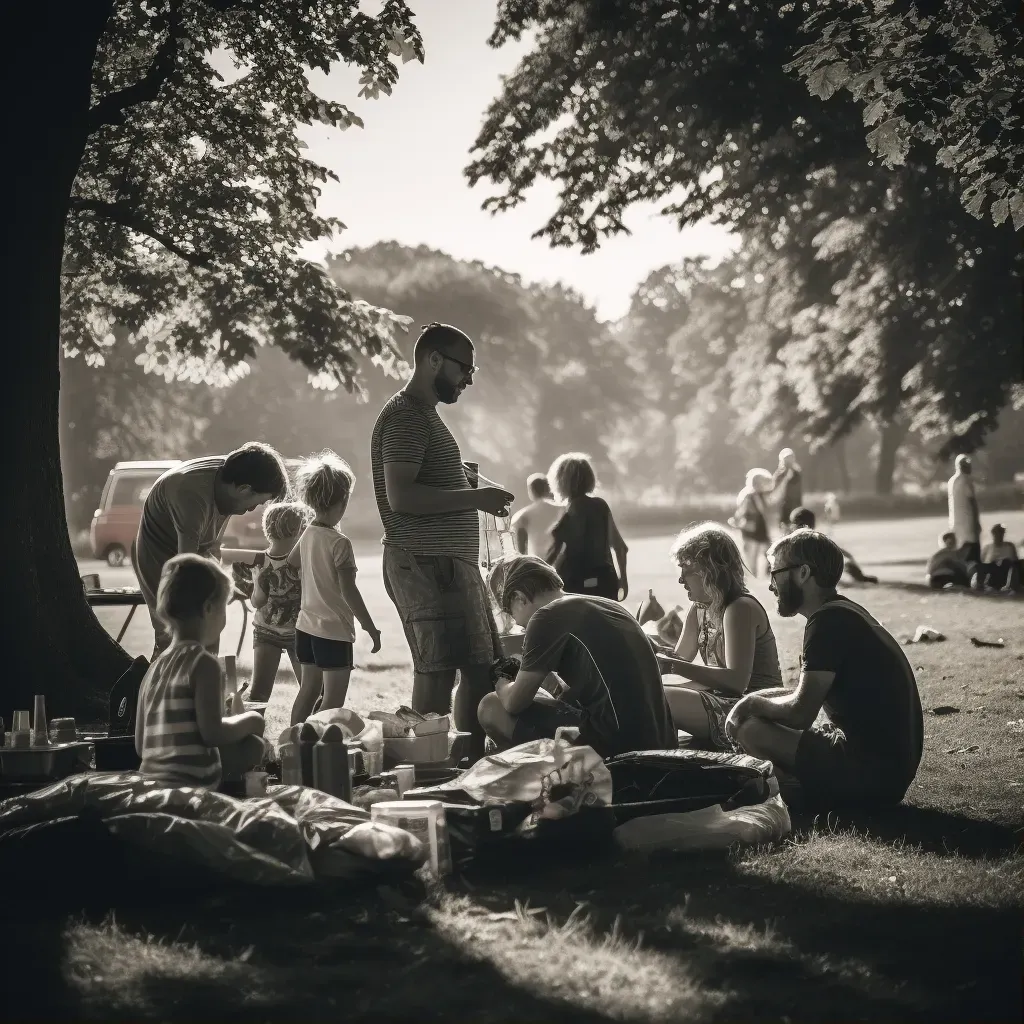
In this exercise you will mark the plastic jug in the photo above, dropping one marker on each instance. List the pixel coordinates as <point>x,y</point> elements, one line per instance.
<point>331,764</point>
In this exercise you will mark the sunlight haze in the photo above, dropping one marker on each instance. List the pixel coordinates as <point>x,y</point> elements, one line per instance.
<point>402,174</point>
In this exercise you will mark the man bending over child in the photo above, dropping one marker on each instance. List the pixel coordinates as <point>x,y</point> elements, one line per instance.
<point>188,508</point>
<point>589,653</point>
<point>869,752</point>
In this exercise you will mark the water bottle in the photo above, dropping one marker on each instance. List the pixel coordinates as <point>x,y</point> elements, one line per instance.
<point>331,764</point>
<point>40,732</point>
<point>291,764</point>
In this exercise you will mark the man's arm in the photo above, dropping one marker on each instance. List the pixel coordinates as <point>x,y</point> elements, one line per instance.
<point>403,440</point>
<point>542,652</point>
<point>517,695</point>
<point>188,514</point>
<point>797,709</point>
<point>518,527</point>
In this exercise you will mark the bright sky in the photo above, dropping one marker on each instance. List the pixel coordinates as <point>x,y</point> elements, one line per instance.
<point>401,175</point>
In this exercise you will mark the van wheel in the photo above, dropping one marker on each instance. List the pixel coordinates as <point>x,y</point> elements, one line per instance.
<point>116,556</point>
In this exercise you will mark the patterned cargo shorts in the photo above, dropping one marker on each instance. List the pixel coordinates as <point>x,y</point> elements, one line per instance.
<point>445,610</point>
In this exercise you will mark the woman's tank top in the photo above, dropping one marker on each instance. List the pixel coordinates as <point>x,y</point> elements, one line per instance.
<point>172,746</point>
<point>765,671</point>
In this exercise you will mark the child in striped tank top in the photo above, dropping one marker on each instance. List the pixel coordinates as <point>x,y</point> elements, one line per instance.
<point>181,732</point>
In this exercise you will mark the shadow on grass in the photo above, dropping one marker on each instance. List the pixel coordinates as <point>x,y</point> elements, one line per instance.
<point>359,951</point>
<point>935,831</point>
<point>821,950</point>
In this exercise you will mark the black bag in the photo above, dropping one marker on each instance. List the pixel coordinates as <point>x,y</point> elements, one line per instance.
<point>662,781</point>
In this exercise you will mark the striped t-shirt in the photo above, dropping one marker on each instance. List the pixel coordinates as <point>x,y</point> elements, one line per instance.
<point>172,747</point>
<point>408,430</point>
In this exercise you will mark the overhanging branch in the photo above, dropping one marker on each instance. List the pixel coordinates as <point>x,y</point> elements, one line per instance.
<point>121,213</point>
<point>111,108</point>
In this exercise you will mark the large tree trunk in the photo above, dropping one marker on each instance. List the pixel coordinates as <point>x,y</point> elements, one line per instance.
<point>891,434</point>
<point>839,451</point>
<point>51,640</point>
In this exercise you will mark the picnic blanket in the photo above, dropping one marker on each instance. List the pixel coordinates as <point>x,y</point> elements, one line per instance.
<point>293,836</point>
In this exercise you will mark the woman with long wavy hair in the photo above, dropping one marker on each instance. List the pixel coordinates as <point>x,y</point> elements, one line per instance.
<point>728,627</point>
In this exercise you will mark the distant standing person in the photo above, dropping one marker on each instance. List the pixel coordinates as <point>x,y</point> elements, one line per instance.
<point>751,518</point>
<point>787,488</point>
<point>432,532</point>
<point>585,537</point>
<point>188,508</point>
<point>964,518</point>
<point>531,526</point>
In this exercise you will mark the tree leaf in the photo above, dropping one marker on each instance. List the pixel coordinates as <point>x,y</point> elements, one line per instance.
<point>1000,211</point>
<point>825,81</point>
<point>874,110</point>
<point>1017,210</point>
<point>891,141</point>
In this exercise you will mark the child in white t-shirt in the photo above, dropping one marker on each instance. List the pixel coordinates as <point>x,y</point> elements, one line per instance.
<point>331,602</point>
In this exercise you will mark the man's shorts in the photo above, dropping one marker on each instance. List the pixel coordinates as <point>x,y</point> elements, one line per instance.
<point>445,610</point>
<point>832,775</point>
<point>542,719</point>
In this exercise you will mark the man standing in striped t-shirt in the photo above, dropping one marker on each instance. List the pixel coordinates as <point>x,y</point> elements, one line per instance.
<point>430,509</point>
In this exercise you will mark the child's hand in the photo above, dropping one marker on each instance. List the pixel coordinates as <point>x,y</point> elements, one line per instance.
<point>374,635</point>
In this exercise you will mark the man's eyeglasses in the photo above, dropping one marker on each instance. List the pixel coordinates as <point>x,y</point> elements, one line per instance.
<point>467,368</point>
<point>782,568</point>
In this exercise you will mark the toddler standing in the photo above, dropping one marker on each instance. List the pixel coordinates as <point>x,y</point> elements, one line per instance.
<point>181,733</point>
<point>276,595</point>
<point>331,602</point>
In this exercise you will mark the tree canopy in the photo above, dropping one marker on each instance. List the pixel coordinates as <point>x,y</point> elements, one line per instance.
<point>886,295</point>
<point>943,76</point>
<point>194,196</point>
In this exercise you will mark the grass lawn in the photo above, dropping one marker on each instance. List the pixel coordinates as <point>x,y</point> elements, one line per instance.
<point>913,915</point>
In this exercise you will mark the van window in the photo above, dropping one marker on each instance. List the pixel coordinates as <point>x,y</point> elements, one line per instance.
<point>130,490</point>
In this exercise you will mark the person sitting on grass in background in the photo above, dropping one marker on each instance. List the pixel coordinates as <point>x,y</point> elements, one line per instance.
<point>188,508</point>
<point>1000,566</point>
<point>804,519</point>
<point>590,655</point>
<point>585,537</point>
<point>730,630</point>
<point>331,602</point>
<point>181,732</point>
<point>276,596</point>
<point>531,526</point>
<point>852,667</point>
<point>947,568</point>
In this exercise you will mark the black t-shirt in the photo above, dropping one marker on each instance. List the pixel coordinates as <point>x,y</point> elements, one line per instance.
<point>585,530</point>
<point>874,697</point>
<point>608,663</point>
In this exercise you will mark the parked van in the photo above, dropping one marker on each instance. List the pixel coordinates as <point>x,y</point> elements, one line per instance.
<point>116,522</point>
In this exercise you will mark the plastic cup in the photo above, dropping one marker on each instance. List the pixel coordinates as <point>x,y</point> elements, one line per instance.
<point>256,783</point>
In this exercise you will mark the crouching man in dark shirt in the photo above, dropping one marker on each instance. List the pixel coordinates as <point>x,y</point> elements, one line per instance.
<point>591,656</point>
<point>869,752</point>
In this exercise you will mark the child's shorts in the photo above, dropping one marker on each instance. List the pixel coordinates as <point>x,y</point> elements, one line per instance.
<point>261,636</point>
<point>324,653</point>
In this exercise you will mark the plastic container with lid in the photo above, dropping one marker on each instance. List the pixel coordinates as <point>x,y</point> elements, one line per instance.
<point>291,764</point>
<point>331,764</point>
<point>426,820</point>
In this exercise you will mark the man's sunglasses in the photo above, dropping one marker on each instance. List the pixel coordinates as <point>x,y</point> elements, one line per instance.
<point>783,568</point>
<point>467,368</point>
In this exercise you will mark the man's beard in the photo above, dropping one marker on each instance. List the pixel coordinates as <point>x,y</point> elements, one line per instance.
<point>446,391</point>
<point>790,597</point>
